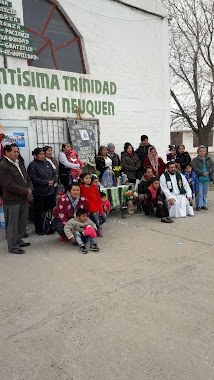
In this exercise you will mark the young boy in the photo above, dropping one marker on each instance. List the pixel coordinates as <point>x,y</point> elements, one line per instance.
<point>155,200</point>
<point>82,229</point>
<point>192,180</point>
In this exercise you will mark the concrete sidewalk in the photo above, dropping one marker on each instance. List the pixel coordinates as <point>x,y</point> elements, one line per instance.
<point>142,308</point>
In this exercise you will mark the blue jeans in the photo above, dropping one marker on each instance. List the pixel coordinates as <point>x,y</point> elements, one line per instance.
<point>82,240</point>
<point>201,197</point>
<point>103,218</point>
<point>94,216</point>
<point>59,227</point>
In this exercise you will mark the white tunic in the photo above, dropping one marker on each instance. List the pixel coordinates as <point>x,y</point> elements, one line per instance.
<point>181,208</point>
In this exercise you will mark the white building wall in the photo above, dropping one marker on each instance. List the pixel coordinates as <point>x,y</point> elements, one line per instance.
<point>188,142</point>
<point>125,46</point>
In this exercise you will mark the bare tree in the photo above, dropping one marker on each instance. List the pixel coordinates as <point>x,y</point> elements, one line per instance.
<point>191,24</point>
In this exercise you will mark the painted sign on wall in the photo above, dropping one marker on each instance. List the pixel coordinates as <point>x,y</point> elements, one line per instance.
<point>59,83</point>
<point>14,41</point>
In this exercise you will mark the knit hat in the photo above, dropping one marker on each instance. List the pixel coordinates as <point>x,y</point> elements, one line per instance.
<point>110,145</point>
<point>201,147</point>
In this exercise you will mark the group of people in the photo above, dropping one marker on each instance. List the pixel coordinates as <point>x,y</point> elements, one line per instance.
<point>165,189</point>
<point>184,181</point>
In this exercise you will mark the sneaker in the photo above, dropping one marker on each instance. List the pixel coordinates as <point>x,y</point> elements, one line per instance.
<point>63,239</point>
<point>204,208</point>
<point>94,247</point>
<point>198,208</point>
<point>83,249</point>
<point>100,233</point>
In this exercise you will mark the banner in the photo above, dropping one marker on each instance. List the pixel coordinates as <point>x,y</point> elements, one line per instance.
<point>84,139</point>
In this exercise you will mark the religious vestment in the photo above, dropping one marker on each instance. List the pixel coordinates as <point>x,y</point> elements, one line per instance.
<point>176,186</point>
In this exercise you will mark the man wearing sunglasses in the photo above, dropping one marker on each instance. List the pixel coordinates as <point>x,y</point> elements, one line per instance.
<point>16,189</point>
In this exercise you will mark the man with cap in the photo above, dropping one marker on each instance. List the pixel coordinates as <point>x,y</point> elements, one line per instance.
<point>114,156</point>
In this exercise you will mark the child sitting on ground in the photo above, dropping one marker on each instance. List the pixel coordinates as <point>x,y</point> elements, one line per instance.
<point>106,205</point>
<point>155,201</point>
<point>90,192</point>
<point>83,230</point>
<point>105,208</point>
<point>192,180</point>
<point>73,158</point>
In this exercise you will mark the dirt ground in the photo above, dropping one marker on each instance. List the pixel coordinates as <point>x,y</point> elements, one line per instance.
<point>142,308</point>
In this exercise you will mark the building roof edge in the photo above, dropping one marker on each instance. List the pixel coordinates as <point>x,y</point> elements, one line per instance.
<point>149,6</point>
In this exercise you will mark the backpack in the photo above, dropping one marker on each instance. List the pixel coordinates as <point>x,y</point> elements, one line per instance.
<point>47,223</point>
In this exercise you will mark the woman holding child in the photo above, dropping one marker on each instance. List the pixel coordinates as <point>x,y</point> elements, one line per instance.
<point>154,202</point>
<point>67,204</point>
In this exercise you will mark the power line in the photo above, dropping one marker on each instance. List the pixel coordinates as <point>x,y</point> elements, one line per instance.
<point>99,14</point>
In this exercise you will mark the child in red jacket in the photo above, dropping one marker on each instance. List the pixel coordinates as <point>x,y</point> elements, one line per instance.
<point>73,158</point>
<point>90,192</point>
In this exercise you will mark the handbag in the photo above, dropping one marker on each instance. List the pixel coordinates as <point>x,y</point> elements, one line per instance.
<point>48,227</point>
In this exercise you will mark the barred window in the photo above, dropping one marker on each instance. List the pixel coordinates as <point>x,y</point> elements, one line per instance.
<point>58,45</point>
<point>176,138</point>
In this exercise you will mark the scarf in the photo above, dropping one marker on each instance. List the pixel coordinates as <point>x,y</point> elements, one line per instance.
<point>179,182</point>
<point>16,163</point>
<point>74,202</point>
<point>153,160</point>
<point>51,162</point>
<point>153,192</point>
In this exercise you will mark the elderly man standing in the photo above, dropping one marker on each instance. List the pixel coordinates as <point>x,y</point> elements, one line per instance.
<point>16,189</point>
<point>177,192</point>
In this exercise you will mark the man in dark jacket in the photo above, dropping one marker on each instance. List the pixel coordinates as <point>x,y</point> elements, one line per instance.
<point>16,189</point>
<point>142,151</point>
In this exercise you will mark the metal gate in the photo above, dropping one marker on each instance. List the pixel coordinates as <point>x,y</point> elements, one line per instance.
<point>53,132</point>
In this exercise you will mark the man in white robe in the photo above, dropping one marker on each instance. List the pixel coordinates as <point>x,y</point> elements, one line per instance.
<point>177,192</point>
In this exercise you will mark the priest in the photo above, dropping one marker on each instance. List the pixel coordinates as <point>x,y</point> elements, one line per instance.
<point>177,192</point>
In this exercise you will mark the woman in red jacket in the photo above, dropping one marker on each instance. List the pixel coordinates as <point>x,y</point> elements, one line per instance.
<point>156,163</point>
<point>90,191</point>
